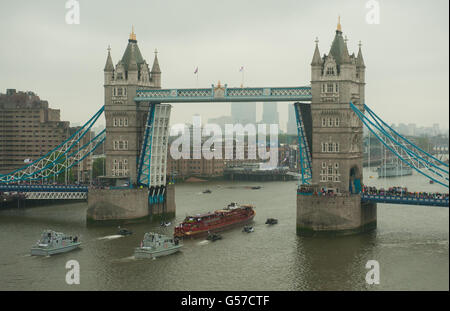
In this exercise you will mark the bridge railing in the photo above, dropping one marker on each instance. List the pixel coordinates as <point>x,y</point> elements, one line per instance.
<point>43,188</point>
<point>225,94</point>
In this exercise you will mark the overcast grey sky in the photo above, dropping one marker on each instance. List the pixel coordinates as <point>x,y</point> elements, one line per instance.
<point>407,54</point>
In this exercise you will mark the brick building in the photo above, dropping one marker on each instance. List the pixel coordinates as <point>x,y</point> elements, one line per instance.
<point>28,129</point>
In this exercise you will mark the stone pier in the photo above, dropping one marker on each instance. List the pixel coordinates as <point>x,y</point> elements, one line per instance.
<point>117,206</point>
<point>337,215</point>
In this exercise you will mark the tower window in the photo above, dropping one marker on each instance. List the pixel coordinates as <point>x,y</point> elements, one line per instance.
<point>330,70</point>
<point>324,122</point>
<point>336,122</point>
<point>329,87</point>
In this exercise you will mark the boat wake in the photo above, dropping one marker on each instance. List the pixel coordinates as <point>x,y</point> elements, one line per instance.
<point>110,237</point>
<point>204,242</point>
<point>125,259</point>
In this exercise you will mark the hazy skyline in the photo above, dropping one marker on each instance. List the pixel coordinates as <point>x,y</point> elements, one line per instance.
<point>406,54</point>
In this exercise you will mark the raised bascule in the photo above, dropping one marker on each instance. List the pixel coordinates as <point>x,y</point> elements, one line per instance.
<point>330,114</point>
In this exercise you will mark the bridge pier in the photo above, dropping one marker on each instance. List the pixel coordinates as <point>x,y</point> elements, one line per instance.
<point>114,206</point>
<point>334,215</point>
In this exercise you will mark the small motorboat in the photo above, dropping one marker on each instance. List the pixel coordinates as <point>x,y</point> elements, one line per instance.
<point>248,229</point>
<point>165,224</point>
<point>213,237</point>
<point>431,181</point>
<point>123,231</point>
<point>271,221</point>
<point>256,187</point>
<point>207,191</point>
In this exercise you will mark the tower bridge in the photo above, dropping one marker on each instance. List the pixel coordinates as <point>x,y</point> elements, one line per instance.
<point>330,115</point>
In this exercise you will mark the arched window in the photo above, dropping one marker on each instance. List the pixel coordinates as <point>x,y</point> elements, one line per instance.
<point>330,147</point>
<point>330,70</point>
<point>330,88</point>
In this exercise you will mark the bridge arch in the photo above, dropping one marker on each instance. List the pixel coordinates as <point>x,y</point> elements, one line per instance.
<point>355,179</point>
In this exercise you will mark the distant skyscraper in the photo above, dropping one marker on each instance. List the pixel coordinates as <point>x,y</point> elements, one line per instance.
<point>270,113</point>
<point>292,122</point>
<point>243,113</point>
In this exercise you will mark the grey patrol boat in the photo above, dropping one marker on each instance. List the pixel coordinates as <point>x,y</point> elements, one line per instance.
<point>52,242</point>
<point>156,245</point>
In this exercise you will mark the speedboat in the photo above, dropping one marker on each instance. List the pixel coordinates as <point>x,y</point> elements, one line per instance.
<point>123,231</point>
<point>213,237</point>
<point>248,229</point>
<point>271,221</point>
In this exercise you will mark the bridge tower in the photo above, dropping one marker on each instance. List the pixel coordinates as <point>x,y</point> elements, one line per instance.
<point>336,80</point>
<point>125,119</point>
<point>136,143</point>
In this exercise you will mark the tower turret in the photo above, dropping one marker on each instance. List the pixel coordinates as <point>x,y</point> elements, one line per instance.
<point>109,68</point>
<point>316,63</point>
<point>360,66</point>
<point>156,72</point>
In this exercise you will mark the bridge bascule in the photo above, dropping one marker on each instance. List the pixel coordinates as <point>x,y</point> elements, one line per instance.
<point>330,115</point>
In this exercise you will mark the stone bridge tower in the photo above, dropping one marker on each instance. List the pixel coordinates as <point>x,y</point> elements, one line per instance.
<point>126,123</point>
<point>125,119</point>
<point>337,153</point>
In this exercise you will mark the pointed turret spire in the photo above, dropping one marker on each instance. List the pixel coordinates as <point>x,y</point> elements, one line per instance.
<point>339,27</point>
<point>109,63</point>
<point>155,67</point>
<point>339,46</point>
<point>132,34</point>
<point>133,63</point>
<point>360,59</point>
<point>316,58</point>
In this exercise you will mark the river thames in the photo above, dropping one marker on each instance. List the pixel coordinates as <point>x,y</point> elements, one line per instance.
<point>410,244</point>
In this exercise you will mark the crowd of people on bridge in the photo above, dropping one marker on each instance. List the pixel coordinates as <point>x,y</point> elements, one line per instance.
<point>370,190</point>
<point>403,191</point>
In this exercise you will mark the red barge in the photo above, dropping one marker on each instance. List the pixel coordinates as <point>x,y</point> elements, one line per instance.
<point>233,214</point>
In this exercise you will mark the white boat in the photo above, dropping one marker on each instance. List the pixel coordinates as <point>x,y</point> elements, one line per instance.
<point>52,242</point>
<point>155,245</point>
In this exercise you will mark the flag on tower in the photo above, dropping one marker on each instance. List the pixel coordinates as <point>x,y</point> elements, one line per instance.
<point>242,68</point>
<point>196,70</point>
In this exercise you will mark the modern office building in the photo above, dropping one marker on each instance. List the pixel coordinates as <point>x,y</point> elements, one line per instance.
<point>243,113</point>
<point>270,113</point>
